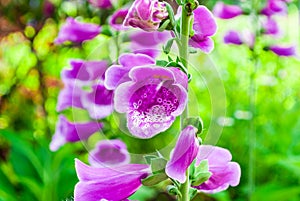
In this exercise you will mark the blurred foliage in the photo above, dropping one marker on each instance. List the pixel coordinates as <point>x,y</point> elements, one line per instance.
<point>30,66</point>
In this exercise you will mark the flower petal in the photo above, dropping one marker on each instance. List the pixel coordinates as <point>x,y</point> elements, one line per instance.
<point>204,22</point>
<point>204,44</point>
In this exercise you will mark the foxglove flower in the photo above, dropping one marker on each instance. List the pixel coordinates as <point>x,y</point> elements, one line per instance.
<point>224,11</point>
<point>146,14</point>
<point>233,37</point>
<point>117,19</point>
<point>152,99</point>
<point>98,102</point>
<point>148,42</point>
<point>77,32</point>
<point>184,153</point>
<point>113,184</point>
<point>285,51</point>
<point>224,172</point>
<point>273,7</point>
<point>109,153</point>
<point>270,27</point>
<point>105,4</point>
<point>67,131</point>
<point>204,27</point>
<point>117,74</point>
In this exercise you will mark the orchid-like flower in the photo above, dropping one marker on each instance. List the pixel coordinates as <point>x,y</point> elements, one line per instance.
<point>146,14</point>
<point>77,32</point>
<point>224,172</point>
<point>185,151</point>
<point>109,153</point>
<point>67,131</point>
<point>117,19</point>
<point>105,4</point>
<point>117,74</point>
<point>233,37</point>
<point>151,99</point>
<point>112,183</point>
<point>204,27</point>
<point>224,11</point>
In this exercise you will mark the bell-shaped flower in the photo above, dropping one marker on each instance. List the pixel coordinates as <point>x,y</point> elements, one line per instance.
<point>270,27</point>
<point>67,131</point>
<point>285,51</point>
<point>109,153</point>
<point>98,102</point>
<point>233,37</point>
<point>105,4</point>
<point>117,74</point>
<point>224,172</point>
<point>152,100</point>
<point>146,14</point>
<point>77,32</point>
<point>274,7</point>
<point>224,11</point>
<point>117,19</point>
<point>204,27</point>
<point>112,183</point>
<point>185,151</point>
<point>148,42</point>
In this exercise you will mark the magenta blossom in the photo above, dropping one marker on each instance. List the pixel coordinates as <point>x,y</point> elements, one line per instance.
<point>152,99</point>
<point>148,42</point>
<point>105,4</point>
<point>273,7</point>
<point>204,27</point>
<point>146,14</point>
<point>117,19</point>
<point>224,172</point>
<point>109,153</point>
<point>285,51</point>
<point>224,11</point>
<point>117,74</point>
<point>233,37</point>
<point>77,32</point>
<point>184,153</point>
<point>113,184</point>
<point>67,131</point>
<point>270,27</point>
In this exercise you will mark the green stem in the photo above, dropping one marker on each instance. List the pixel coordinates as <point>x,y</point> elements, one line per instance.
<point>184,54</point>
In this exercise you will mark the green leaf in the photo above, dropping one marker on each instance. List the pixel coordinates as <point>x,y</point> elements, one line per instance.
<point>201,177</point>
<point>158,165</point>
<point>173,190</point>
<point>163,25</point>
<point>148,158</point>
<point>194,121</point>
<point>171,14</point>
<point>168,46</point>
<point>154,179</point>
<point>162,63</point>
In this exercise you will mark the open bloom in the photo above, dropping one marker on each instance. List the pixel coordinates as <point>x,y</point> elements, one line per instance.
<point>146,14</point>
<point>113,184</point>
<point>117,74</point>
<point>75,31</point>
<point>101,3</point>
<point>204,27</point>
<point>224,11</point>
<point>184,153</point>
<point>67,131</point>
<point>117,19</point>
<point>285,51</point>
<point>233,37</point>
<point>224,172</point>
<point>109,153</point>
<point>152,99</point>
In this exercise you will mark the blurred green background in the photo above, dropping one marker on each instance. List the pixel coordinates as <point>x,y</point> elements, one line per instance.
<point>30,66</point>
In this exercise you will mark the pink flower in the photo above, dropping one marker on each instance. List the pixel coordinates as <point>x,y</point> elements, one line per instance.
<point>224,11</point>
<point>146,14</point>
<point>270,27</point>
<point>117,19</point>
<point>233,37</point>
<point>285,51</point>
<point>77,31</point>
<point>273,7</point>
<point>105,4</point>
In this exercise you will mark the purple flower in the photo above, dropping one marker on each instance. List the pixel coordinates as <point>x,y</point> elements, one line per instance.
<point>233,37</point>
<point>270,27</point>
<point>285,51</point>
<point>109,153</point>
<point>224,172</point>
<point>274,6</point>
<point>117,19</point>
<point>146,14</point>
<point>67,131</point>
<point>101,3</point>
<point>77,31</point>
<point>113,184</point>
<point>152,99</point>
<point>98,102</point>
<point>184,153</point>
<point>204,26</point>
<point>148,42</point>
<point>69,96</point>
<point>224,11</point>
<point>117,74</point>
